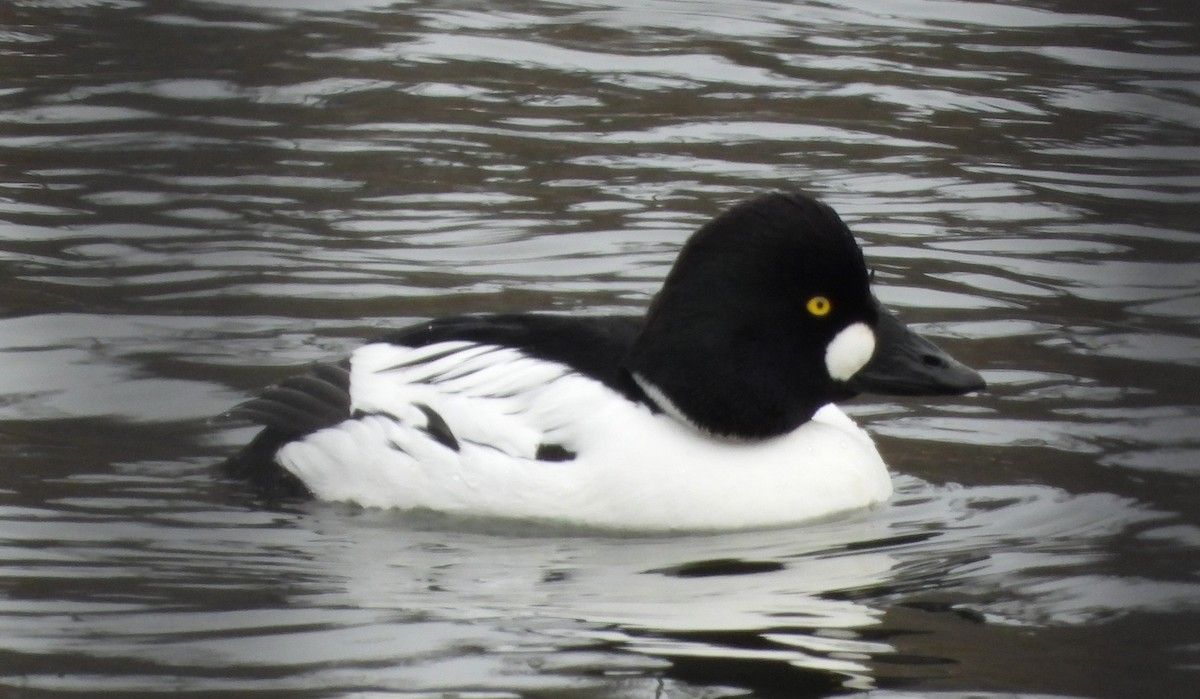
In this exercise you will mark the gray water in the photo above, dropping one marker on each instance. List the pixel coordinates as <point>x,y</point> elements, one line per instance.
<point>198,198</point>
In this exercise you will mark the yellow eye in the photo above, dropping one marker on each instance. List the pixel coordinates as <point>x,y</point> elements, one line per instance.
<point>819,306</point>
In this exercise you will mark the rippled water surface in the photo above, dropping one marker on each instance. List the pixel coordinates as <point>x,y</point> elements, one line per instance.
<point>198,198</point>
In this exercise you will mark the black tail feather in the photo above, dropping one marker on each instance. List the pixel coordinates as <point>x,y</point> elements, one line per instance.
<point>296,407</point>
<point>256,464</point>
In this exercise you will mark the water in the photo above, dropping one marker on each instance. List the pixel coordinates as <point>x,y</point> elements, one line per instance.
<point>197,198</point>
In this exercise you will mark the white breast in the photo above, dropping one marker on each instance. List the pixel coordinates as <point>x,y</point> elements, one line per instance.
<point>632,469</point>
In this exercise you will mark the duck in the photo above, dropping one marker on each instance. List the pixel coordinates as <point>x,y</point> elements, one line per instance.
<point>715,409</point>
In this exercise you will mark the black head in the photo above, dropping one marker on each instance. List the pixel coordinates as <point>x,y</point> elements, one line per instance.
<point>766,316</point>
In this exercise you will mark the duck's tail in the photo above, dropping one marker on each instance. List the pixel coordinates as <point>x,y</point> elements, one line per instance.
<point>299,406</point>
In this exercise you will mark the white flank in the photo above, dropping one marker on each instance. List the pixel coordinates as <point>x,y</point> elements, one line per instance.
<point>633,469</point>
<point>849,351</point>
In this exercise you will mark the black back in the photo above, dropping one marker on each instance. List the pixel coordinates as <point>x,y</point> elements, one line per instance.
<point>595,346</point>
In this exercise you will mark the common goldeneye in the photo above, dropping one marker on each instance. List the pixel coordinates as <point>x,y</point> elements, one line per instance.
<point>714,410</point>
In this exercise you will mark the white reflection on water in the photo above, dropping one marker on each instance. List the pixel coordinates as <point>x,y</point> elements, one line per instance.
<point>434,603</point>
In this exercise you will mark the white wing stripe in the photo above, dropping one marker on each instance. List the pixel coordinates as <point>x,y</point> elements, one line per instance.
<point>418,365</point>
<point>486,394</point>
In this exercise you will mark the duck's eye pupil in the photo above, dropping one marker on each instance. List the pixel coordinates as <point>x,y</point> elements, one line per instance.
<point>819,306</point>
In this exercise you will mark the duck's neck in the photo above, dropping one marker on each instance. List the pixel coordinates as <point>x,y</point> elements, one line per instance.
<point>740,386</point>
<point>662,402</point>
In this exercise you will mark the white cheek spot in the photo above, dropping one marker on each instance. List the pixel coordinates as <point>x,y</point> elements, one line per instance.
<point>849,351</point>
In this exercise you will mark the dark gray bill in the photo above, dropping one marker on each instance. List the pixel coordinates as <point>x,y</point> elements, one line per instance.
<point>906,364</point>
